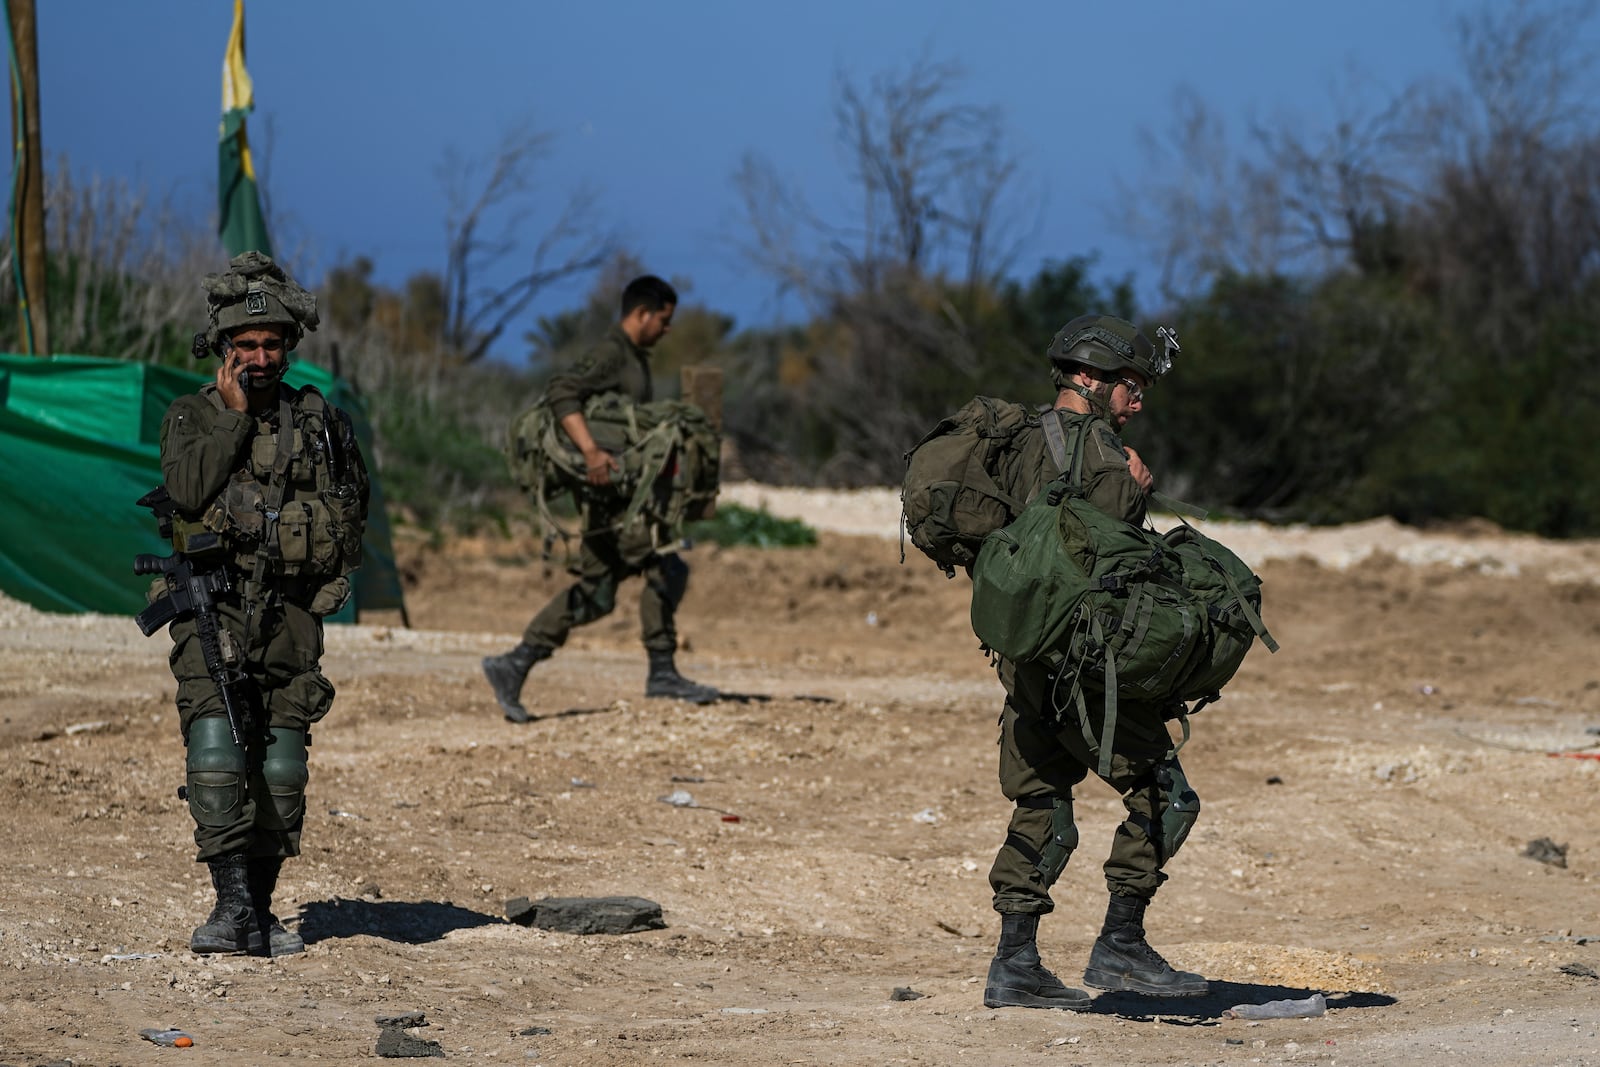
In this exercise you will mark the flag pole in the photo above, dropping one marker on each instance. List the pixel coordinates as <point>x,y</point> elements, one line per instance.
<point>240,221</point>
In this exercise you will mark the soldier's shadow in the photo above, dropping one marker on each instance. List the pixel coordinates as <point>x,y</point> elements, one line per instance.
<point>1199,1011</point>
<point>411,922</point>
<point>572,713</point>
<point>723,697</point>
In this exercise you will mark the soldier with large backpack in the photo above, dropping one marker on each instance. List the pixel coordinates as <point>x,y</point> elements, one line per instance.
<point>1101,367</point>
<point>613,546</point>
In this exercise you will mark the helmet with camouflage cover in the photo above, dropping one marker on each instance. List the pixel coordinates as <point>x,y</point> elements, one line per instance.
<point>254,291</point>
<point>1110,344</point>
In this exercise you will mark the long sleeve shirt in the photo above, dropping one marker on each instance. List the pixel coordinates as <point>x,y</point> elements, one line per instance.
<point>614,365</point>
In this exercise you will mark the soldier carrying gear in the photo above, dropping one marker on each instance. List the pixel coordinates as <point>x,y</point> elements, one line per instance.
<point>612,551</point>
<point>1101,366</point>
<point>266,502</point>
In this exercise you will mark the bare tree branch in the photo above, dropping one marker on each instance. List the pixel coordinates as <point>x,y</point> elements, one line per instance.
<point>493,195</point>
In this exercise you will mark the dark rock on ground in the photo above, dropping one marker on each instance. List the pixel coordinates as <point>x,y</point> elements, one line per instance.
<point>1546,851</point>
<point>587,915</point>
<point>395,1043</point>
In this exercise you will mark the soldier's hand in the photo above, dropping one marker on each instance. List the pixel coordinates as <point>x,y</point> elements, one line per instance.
<point>228,386</point>
<point>1141,473</point>
<point>600,465</point>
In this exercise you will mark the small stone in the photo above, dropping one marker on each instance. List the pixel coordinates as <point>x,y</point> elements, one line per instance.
<point>404,1021</point>
<point>905,993</point>
<point>1546,851</point>
<point>535,1031</point>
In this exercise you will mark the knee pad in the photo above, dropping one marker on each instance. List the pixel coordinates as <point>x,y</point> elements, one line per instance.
<point>587,603</point>
<point>1180,807</point>
<point>671,578</point>
<point>284,771</point>
<point>1063,839</point>
<point>215,766</point>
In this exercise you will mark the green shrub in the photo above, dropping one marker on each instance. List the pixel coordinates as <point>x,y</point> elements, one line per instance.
<point>735,524</point>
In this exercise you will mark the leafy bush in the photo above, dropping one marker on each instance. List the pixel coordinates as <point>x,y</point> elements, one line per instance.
<point>734,524</point>
<point>437,461</point>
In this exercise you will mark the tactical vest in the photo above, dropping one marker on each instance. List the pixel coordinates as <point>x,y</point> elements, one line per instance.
<point>296,504</point>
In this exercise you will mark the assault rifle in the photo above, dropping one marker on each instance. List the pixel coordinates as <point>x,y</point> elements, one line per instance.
<point>191,592</point>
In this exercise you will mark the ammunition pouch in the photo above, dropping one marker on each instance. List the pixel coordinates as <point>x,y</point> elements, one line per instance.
<point>195,539</point>
<point>264,454</point>
<point>235,522</point>
<point>321,536</point>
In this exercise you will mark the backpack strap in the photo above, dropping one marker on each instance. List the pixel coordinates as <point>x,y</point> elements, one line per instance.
<point>1056,440</point>
<point>1050,422</point>
<point>1108,726</point>
<point>1077,453</point>
<point>1056,443</point>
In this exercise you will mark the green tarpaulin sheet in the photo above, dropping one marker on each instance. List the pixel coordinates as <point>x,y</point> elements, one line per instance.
<point>79,444</point>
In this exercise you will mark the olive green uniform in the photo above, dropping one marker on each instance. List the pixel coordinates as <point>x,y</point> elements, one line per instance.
<point>607,556</point>
<point>1043,756</point>
<point>251,801</point>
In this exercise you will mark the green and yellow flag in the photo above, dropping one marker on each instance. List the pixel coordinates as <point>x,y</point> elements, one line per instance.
<point>240,223</point>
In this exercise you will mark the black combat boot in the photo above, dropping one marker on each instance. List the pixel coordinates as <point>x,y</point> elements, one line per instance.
<point>1122,959</point>
<point>268,937</point>
<point>228,928</point>
<point>1016,977</point>
<point>507,673</point>
<point>665,681</point>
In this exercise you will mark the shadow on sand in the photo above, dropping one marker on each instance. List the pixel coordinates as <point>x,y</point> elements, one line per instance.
<point>572,713</point>
<point>1192,1011</point>
<point>724,697</point>
<point>411,922</point>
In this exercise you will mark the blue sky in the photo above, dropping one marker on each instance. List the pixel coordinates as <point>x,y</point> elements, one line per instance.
<point>653,105</point>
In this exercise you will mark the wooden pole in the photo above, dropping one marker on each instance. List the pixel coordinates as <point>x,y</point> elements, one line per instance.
<point>28,160</point>
<point>702,387</point>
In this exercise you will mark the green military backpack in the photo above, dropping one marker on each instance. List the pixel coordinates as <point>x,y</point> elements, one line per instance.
<point>1113,609</point>
<point>949,500</point>
<point>668,451</point>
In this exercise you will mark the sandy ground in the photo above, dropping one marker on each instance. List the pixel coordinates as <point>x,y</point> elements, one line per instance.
<point>1369,794</point>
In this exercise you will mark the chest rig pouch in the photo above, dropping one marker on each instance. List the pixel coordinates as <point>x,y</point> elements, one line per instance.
<point>291,507</point>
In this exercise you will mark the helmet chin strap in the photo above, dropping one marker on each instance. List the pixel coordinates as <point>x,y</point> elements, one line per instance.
<point>1099,399</point>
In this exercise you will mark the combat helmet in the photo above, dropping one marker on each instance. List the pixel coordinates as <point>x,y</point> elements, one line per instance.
<point>253,291</point>
<point>1110,344</point>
